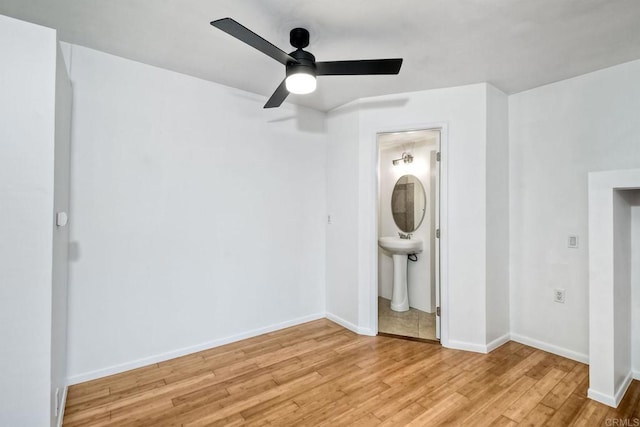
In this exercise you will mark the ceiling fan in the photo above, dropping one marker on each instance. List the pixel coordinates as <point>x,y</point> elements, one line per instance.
<point>301,66</point>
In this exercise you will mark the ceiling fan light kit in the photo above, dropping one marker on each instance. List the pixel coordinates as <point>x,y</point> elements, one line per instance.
<point>301,76</point>
<point>301,66</point>
<point>301,82</point>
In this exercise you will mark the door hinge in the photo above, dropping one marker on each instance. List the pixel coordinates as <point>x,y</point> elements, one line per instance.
<point>438,156</point>
<point>438,311</point>
<point>437,233</point>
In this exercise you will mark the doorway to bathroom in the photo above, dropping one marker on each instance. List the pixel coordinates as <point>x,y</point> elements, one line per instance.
<point>408,234</point>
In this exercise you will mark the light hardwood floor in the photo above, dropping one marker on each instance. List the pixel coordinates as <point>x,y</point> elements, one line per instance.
<point>321,374</point>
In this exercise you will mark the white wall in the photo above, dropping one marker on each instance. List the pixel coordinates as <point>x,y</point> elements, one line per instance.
<point>27,85</point>
<point>633,292</point>
<point>557,134</point>
<point>60,274</point>
<point>342,233</point>
<point>610,271</point>
<point>197,216</point>
<point>463,111</point>
<point>497,158</point>
<point>419,274</point>
<point>621,286</point>
<point>635,289</point>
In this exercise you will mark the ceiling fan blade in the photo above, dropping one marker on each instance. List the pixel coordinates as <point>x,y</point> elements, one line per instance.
<point>278,96</point>
<point>244,34</point>
<point>359,67</point>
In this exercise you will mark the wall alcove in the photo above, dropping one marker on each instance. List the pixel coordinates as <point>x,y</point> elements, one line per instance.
<point>614,245</point>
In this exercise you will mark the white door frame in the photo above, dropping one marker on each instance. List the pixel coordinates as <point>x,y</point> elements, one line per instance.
<point>441,222</point>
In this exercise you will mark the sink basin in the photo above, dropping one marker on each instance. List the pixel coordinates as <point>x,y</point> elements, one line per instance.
<point>399,249</point>
<point>396,245</point>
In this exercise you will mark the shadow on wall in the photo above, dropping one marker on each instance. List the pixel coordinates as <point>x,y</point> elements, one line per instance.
<point>309,123</point>
<point>74,251</point>
<point>307,119</point>
<point>373,105</point>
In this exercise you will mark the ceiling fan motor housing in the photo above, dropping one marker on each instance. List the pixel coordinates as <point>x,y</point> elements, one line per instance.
<point>306,63</point>
<point>299,38</point>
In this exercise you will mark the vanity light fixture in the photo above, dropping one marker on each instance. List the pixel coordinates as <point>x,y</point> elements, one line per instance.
<point>406,158</point>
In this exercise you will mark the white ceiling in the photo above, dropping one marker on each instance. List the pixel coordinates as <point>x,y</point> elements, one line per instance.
<point>406,140</point>
<point>513,44</point>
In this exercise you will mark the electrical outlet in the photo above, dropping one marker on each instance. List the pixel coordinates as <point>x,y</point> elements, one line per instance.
<point>558,295</point>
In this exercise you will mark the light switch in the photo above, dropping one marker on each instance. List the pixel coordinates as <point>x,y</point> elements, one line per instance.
<point>61,219</point>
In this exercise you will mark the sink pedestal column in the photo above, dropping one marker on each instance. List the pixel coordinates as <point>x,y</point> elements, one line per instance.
<point>400,295</point>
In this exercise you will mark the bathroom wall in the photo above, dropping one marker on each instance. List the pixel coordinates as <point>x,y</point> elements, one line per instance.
<point>198,217</point>
<point>419,274</point>
<point>557,134</point>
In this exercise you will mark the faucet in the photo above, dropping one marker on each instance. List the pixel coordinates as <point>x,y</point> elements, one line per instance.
<point>404,236</point>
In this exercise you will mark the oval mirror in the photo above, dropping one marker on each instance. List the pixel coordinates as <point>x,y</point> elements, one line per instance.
<point>408,203</point>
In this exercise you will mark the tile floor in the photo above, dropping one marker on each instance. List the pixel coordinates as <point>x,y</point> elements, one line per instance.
<point>413,323</point>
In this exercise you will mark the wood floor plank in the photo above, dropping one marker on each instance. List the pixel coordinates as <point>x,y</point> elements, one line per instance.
<point>113,396</point>
<point>538,416</point>
<point>397,399</point>
<point>250,400</point>
<point>322,399</point>
<point>559,394</point>
<point>404,416</point>
<point>82,394</point>
<point>591,414</point>
<point>271,415</point>
<point>527,402</point>
<point>437,413</point>
<point>503,421</point>
<point>345,412</point>
<point>567,413</point>
<point>320,374</point>
<point>86,418</point>
<point>492,410</point>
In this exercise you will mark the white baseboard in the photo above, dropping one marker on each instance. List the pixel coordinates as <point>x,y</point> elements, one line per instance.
<point>614,400</point>
<point>466,346</point>
<point>368,332</point>
<point>477,348</point>
<point>560,351</point>
<point>346,324</point>
<point>498,342</point>
<point>116,369</point>
<point>601,397</point>
<point>63,403</point>
<point>623,388</point>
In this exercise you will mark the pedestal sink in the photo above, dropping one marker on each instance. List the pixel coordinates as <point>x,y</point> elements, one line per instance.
<point>399,249</point>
